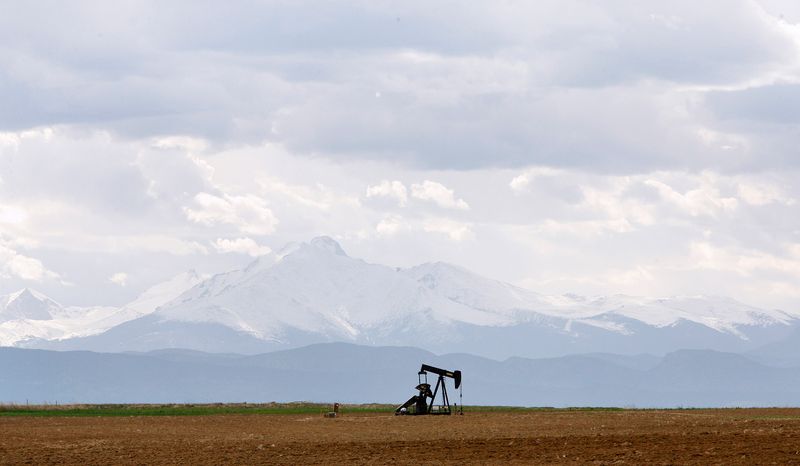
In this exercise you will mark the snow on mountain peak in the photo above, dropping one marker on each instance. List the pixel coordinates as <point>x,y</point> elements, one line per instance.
<point>314,286</point>
<point>27,304</point>
<point>468,288</point>
<point>29,315</point>
<point>720,313</point>
<point>316,290</point>
<point>261,263</point>
<point>27,293</point>
<point>165,292</point>
<point>326,243</point>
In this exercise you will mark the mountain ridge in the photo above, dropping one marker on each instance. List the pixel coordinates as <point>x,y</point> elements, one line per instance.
<point>350,373</point>
<point>314,292</point>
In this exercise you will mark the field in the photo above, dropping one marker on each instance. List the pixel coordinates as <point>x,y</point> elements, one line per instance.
<point>298,434</point>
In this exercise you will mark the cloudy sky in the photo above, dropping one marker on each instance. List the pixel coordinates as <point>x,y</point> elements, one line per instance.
<point>646,148</point>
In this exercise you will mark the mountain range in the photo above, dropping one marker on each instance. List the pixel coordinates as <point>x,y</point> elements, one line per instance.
<point>360,374</point>
<point>314,292</point>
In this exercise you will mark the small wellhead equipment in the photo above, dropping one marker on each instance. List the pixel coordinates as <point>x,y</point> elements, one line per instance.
<point>424,402</point>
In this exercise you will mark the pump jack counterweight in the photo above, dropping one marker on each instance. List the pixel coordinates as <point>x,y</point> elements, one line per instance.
<point>418,404</point>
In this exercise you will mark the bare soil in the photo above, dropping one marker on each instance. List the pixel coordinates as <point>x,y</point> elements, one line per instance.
<point>735,436</point>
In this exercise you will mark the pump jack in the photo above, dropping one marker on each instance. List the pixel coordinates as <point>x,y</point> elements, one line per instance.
<point>419,404</point>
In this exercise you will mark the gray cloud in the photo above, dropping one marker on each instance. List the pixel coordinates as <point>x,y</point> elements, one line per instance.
<point>777,103</point>
<point>460,86</point>
<point>682,41</point>
<point>630,146</point>
<point>79,170</point>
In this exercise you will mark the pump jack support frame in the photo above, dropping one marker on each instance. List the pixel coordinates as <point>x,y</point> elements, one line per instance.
<point>418,401</point>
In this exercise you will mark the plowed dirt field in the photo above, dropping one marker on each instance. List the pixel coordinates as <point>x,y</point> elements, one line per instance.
<point>736,436</point>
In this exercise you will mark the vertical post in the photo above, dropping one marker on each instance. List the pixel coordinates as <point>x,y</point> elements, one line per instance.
<point>445,398</point>
<point>461,398</point>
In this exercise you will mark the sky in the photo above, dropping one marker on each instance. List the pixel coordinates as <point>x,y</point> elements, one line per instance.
<point>637,147</point>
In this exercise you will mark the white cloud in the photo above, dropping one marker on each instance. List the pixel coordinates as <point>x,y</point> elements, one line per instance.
<point>125,244</point>
<point>119,278</point>
<point>704,254</point>
<point>760,194</point>
<point>637,276</point>
<point>392,189</point>
<point>248,213</point>
<point>318,196</point>
<point>17,265</point>
<point>13,139</point>
<point>438,194</point>
<point>163,151</point>
<point>456,231</point>
<point>173,174</point>
<point>12,214</point>
<point>241,245</point>
<point>521,182</point>
<point>585,228</point>
<point>187,143</point>
<point>721,140</point>
<point>391,224</point>
<point>620,211</point>
<point>704,200</point>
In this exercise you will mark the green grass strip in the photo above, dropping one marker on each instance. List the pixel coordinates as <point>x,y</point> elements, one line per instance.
<point>182,409</point>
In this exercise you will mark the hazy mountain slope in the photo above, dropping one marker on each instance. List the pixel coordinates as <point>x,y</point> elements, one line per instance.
<point>162,293</point>
<point>147,332</point>
<point>29,317</point>
<point>348,373</point>
<point>784,352</point>
<point>553,336</point>
<point>464,287</point>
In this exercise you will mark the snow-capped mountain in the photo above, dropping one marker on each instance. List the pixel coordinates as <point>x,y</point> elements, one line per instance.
<point>152,298</point>
<point>28,304</point>
<point>30,316</point>
<point>314,292</point>
<point>317,288</point>
<point>165,292</point>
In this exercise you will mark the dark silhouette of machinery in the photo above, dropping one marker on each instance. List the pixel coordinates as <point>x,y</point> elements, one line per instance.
<point>420,404</point>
